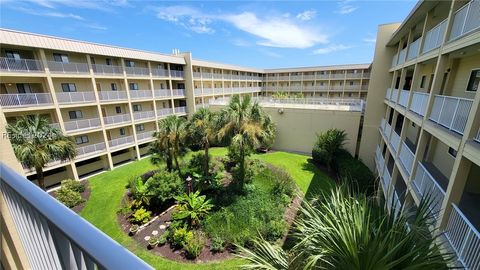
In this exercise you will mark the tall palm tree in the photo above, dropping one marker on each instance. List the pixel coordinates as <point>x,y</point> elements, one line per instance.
<point>245,127</point>
<point>170,141</point>
<point>345,231</point>
<point>36,143</point>
<point>203,130</point>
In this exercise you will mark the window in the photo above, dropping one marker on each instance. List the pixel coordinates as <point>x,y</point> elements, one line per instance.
<point>118,109</point>
<point>474,81</point>
<point>350,94</point>
<point>63,58</point>
<point>422,82</point>
<point>351,82</point>
<point>133,86</point>
<point>24,88</point>
<point>12,55</point>
<point>122,131</point>
<point>452,152</point>
<point>129,63</point>
<point>140,127</point>
<point>81,139</point>
<point>137,107</point>
<point>108,61</point>
<point>113,86</point>
<point>75,114</point>
<point>69,87</point>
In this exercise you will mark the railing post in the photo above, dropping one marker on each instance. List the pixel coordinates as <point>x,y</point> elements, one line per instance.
<point>454,115</point>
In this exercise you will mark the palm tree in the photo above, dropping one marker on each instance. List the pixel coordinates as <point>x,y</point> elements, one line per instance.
<point>170,141</point>
<point>346,231</point>
<point>329,144</point>
<point>192,207</point>
<point>36,143</point>
<point>243,125</point>
<point>203,130</point>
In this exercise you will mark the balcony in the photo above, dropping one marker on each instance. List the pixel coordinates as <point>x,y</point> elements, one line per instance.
<point>116,119</point>
<point>386,180</point>
<point>296,77</point>
<point>75,97</point>
<point>379,160</point>
<point>161,93</point>
<point>82,124</point>
<point>53,236</point>
<point>465,20</point>
<point>354,75</point>
<point>451,112</point>
<point>413,49</point>
<point>145,136</point>
<point>140,94</point>
<point>464,238</point>
<point>401,56</point>
<point>181,109</point>
<point>295,88</point>
<point>218,91</point>
<point>403,98</point>
<point>159,72</point>
<point>25,100</point>
<point>207,91</point>
<point>123,141</point>
<point>424,184</point>
<point>477,138</point>
<point>20,65</point>
<point>419,103</point>
<point>352,87</point>
<point>406,157</point>
<point>337,76</point>
<point>217,76</point>
<point>178,92</point>
<point>389,94</point>
<point>197,75</point>
<point>176,73</point>
<point>144,115</point>
<point>137,71</point>
<point>112,95</point>
<point>207,75</point>
<point>394,138</point>
<point>107,69</point>
<point>90,150</point>
<point>394,60</point>
<point>60,67</point>
<point>197,91</point>
<point>434,37</point>
<point>164,112</point>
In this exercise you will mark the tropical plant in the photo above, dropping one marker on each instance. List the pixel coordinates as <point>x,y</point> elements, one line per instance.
<point>245,127</point>
<point>164,186</point>
<point>35,143</point>
<point>203,131</point>
<point>328,145</point>
<point>139,191</point>
<point>346,231</point>
<point>170,143</point>
<point>192,207</point>
<point>68,197</point>
<point>141,216</point>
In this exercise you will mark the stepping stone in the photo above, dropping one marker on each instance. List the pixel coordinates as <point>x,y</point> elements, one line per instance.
<point>154,232</point>
<point>163,227</point>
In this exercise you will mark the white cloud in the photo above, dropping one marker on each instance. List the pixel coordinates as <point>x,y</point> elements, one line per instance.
<point>240,42</point>
<point>332,48</point>
<point>307,15</point>
<point>105,5</point>
<point>50,13</point>
<point>370,40</point>
<point>345,7</point>
<point>187,17</point>
<point>96,27</point>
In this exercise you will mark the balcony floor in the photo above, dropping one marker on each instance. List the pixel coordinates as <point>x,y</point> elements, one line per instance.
<point>442,180</point>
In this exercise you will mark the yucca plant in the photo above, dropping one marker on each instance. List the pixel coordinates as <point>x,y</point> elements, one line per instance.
<point>329,144</point>
<point>345,231</point>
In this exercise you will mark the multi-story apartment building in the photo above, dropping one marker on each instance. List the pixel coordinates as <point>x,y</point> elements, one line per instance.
<point>110,99</point>
<point>425,124</point>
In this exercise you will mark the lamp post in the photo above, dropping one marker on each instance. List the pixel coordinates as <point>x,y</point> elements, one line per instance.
<point>189,184</point>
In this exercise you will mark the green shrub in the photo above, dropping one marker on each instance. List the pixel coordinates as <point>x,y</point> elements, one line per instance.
<point>68,197</point>
<point>181,236</point>
<point>328,145</point>
<point>275,229</point>
<point>164,186</point>
<point>283,182</point>
<point>319,155</point>
<point>163,238</point>
<point>217,245</point>
<point>353,170</point>
<point>141,216</point>
<point>73,185</point>
<point>193,246</point>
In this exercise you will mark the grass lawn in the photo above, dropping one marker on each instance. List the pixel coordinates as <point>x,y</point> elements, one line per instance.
<point>107,190</point>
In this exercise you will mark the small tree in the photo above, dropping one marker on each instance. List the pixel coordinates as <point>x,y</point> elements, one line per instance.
<point>203,131</point>
<point>36,143</point>
<point>328,146</point>
<point>192,207</point>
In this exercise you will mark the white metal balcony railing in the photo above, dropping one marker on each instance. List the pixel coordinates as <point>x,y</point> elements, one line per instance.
<point>387,179</point>
<point>53,236</point>
<point>140,94</point>
<point>466,19</point>
<point>403,99</point>
<point>464,238</point>
<point>207,91</point>
<point>75,97</point>
<point>406,157</point>
<point>383,124</point>
<point>164,111</point>
<point>477,138</point>
<point>178,92</point>
<point>31,99</point>
<point>107,69</point>
<point>395,140</point>
<point>425,185</point>
<point>394,96</point>
<point>144,115</point>
<point>380,161</point>
<point>82,124</point>
<point>116,119</point>
<point>207,75</point>
<point>217,76</point>
<point>354,75</point>
<point>308,77</point>
<point>352,87</point>
<point>137,71</point>
<point>197,91</point>
<point>387,131</point>
<point>401,56</point>
<point>122,141</point>
<point>161,93</point>
<point>323,76</point>
<point>389,94</point>
<point>176,73</point>
<point>61,67</point>
<point>419,103</point>
<point>434,37</point>
<point>197,75</point>
<point>413,49</point>
<point>218,91</point>
<point>112,95</point>
<point>181,109</point>
<point>394,60</point>
<point>451,112</point>
<point>159,72</point>
<point>336,87</point>
<point>296,77</point>
<point>90,149</point>
<point>22,65</point>
<point>143,136</point>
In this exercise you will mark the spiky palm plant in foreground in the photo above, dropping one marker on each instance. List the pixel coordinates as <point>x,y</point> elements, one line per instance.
<point>353,232</point>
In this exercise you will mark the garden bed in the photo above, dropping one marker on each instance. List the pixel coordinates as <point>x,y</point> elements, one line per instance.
<point>85,195</point>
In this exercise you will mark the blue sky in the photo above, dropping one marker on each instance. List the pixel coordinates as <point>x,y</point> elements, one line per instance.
<point>256,34</point>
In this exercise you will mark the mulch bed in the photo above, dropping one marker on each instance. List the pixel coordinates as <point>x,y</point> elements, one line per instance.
<point>85,195</point>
